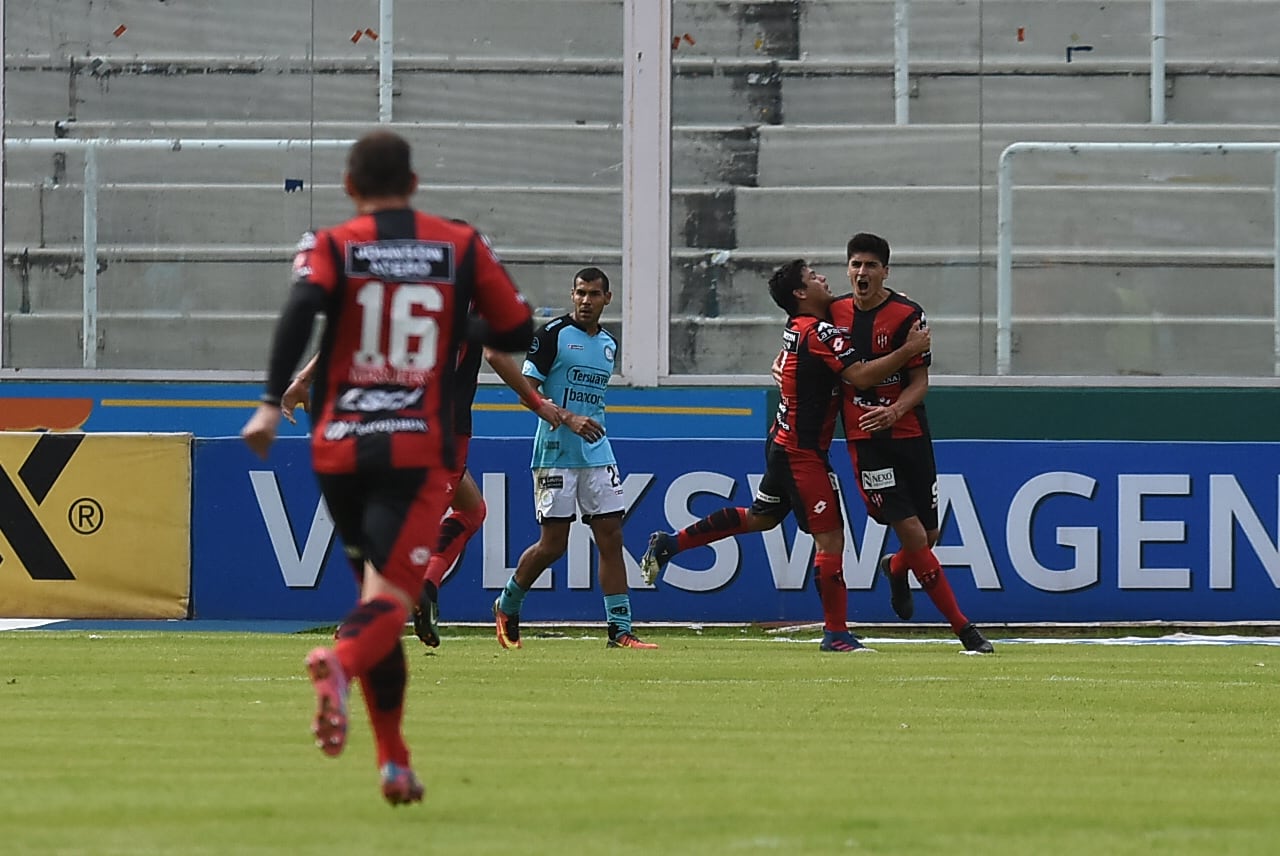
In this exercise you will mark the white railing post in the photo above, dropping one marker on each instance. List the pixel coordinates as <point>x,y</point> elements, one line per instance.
<point>89,281</point>
<point>2,135</point>
<point>646,189</point>
<point>1157,62</point>
<point>901,68</point>
<point>1275,259</point>
<point>1004,262</point>
<point>386,58</point>
<point>1004,223</point>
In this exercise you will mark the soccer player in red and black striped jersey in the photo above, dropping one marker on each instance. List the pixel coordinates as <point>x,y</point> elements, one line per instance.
<point>396,287</point>
<point>798,478</point>
<point>888,434</point>
<point>466,505</point>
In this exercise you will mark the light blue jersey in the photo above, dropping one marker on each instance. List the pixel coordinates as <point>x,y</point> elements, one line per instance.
<point>574,369</point>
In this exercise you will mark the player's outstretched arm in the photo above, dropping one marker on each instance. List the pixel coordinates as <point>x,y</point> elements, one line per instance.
<point>298,392</point>
<point>505,367</point>
<point>879,418</point>
<point>260,431</point>
<point>293,329</point>
<point>870,373</point>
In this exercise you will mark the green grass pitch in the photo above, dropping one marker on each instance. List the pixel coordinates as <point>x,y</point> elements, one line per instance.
<point>721,743</point>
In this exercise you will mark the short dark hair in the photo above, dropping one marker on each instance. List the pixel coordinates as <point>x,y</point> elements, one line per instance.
<point>593,274</point>
<point>379,164</point>
<point>783,285</point>
<point>865,242</point>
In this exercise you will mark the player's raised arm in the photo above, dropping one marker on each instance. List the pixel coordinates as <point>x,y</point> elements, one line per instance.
<point>293,330</point>
<point>871,372</point>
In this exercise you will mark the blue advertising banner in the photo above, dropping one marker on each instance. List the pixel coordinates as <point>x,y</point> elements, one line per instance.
<point>1031,532</point>
<point>262,544</point>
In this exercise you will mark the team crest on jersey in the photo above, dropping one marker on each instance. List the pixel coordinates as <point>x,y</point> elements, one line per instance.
<point>419,555</point>
<point>608,352</point>
<point>882,340</point>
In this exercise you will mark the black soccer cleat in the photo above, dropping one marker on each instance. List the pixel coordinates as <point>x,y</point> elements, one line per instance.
<point>661,549</point>
<point>973,640</point>
<point>426,616</point>
<point>899,591</point>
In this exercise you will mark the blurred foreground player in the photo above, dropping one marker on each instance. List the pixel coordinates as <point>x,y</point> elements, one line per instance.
<point>395,286</point>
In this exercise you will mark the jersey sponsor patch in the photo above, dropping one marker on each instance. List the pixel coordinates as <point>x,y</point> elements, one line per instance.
<point>359,399</point>
<point>878,479</point>
<point>825,330</point>
<point>550,482</point>
<point>579,376</point>
<point>586,385</point>
<point>343,430</point>
<point>302,257</point>
<point>401,261</point>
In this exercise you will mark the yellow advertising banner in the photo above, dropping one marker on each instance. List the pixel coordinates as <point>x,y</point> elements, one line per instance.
<point>95,525</point>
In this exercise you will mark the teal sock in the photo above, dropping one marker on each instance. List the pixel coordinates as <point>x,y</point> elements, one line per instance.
<point>512,597</point>
<point>617,610</point>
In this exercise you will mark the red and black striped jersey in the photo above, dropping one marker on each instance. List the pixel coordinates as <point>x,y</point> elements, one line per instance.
<point>814,352</point>
<point>876,332</point>
<point>398,287</point>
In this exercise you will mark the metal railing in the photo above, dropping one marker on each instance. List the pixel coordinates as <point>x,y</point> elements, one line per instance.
<point>90,150</point>
<point>1004,223</point>
<point>902,64</point>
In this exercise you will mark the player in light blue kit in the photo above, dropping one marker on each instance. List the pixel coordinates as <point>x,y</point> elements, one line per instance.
<point>570,362</point>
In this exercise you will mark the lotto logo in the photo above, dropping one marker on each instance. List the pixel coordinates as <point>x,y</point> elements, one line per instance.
<point>32,547</point>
